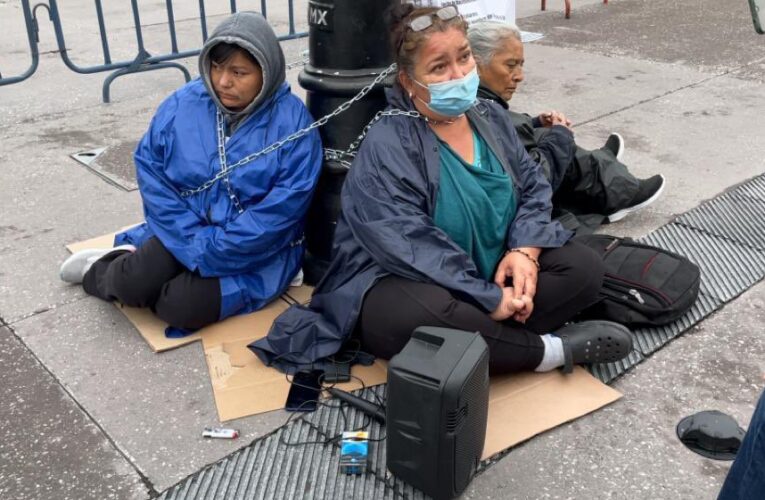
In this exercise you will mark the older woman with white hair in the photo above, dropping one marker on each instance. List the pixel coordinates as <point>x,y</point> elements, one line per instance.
<point>593,185</point>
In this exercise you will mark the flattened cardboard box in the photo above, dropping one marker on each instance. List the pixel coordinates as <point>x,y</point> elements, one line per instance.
<point>242,384</point>
<point>520,405</point>
<point>526,404</point>
<point>151,328</point>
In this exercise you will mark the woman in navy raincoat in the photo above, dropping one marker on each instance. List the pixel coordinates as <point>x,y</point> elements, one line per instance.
<point>217,240</point>
<point>446,222</point>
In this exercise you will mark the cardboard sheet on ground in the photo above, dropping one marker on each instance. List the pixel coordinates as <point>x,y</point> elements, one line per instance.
<point>520,406</point>
<point>524,405</point>
<point>242,385</point>
<point>151,328</point>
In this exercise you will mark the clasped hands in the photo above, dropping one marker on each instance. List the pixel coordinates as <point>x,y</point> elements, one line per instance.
<point>550,118</point>
<point>517,300</point>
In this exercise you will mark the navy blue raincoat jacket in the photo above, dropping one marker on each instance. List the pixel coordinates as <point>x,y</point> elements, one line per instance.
<point>386,227</point>
<point>256,253</point>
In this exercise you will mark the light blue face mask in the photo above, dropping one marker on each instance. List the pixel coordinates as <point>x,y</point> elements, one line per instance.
<point>454,97</point>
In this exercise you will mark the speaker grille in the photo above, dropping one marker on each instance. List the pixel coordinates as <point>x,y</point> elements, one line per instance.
<point>472,413</point>
<point>456,417</point>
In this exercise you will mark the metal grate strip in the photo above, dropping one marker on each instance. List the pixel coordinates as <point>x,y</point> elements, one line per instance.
<point>331,424</point>
<point>290,472</point>
<point>731,216</point>
<point>607,372</point>
<point>727,268</point>
<point>753,188</point>
<point>650,339</point>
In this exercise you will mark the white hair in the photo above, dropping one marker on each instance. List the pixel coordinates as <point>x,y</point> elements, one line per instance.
<point>486,37</point>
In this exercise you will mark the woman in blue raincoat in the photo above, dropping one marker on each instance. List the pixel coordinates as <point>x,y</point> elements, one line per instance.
<point>446,222</point>
<point>217,240</point>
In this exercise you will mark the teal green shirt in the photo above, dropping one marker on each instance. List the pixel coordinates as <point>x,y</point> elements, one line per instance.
<point>475,204</point>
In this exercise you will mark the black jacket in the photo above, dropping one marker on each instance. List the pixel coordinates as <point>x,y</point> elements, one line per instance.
<point>552,148</point>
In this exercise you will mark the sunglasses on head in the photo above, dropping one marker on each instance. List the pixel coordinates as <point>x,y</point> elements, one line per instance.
<point>425,21</point>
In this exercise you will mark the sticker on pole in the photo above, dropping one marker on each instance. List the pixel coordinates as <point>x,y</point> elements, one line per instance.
<point>320,16</point>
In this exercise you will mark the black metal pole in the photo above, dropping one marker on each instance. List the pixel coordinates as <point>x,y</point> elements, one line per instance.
<point>348,48</point>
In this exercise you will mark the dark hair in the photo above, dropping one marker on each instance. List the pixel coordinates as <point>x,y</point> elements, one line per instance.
<point>405,43</point>
<point>222,52</point>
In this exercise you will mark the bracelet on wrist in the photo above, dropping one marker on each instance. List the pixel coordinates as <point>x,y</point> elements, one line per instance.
<point>527,255</point>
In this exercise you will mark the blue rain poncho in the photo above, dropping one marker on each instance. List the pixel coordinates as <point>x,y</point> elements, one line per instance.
<point>247,228</point>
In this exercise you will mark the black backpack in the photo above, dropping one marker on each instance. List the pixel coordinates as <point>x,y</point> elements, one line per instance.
<point>644,285</point>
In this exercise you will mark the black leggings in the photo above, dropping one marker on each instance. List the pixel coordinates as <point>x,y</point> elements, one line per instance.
<point>152,277</point>
<point>569,280</point>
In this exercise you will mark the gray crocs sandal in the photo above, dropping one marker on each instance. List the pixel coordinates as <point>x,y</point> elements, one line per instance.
<point>594,341</point>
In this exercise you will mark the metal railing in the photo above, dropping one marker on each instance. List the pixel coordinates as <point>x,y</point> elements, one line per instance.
<point>142,62</point>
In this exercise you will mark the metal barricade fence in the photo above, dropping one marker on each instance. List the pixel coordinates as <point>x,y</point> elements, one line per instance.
<point>143,61</point>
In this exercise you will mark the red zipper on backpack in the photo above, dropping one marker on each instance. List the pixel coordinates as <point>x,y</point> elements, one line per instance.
<point>647,265</point>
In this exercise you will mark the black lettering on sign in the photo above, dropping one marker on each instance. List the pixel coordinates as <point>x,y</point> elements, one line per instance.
<point>320,16</point>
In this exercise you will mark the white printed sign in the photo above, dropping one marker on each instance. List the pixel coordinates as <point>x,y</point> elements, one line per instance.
<point>477,10</point>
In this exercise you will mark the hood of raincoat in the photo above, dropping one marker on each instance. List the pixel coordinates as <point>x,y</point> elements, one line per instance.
<point>252,32</point>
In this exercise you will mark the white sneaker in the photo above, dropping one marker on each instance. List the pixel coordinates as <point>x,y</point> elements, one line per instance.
<point>74,268</point>
<point>298,279</point>
<point>615,144</point>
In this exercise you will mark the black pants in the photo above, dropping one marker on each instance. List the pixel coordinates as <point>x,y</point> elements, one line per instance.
<point>596,182</point>
<point>152,277</point>
<point>569,280</point>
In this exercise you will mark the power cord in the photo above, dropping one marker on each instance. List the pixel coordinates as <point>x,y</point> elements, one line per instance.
<point>342,407</point>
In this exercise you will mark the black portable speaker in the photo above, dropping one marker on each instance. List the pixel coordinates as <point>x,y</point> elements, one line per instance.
<point>437,404</point>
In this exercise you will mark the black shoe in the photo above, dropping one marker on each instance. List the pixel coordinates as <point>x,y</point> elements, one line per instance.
<point>594,341</point>
<point>615,144</point>
<point>649,191</point>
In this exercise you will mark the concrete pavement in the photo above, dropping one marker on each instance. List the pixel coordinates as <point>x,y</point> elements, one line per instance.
<point>681,81</point>
<point>44,433</point>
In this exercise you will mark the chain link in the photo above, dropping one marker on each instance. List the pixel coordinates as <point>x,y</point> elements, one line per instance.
<point>296,64</point>
<point>301,62</point>
<point>226,169</point>
<point>338,155</point>
<point>222,158</point>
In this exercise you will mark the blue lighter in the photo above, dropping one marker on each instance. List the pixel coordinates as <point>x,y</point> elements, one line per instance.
<point>354,452</point>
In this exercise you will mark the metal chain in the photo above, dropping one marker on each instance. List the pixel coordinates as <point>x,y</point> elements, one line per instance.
<point>338,155</point>
<point>301,62</point>
<point>295,64</point>
<point>225,170</point>
<point>223,162</point>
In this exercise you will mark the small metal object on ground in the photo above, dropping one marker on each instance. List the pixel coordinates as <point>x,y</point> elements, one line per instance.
<point>711,434</point>
<point>220,433</point>
<point>114,164</point>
